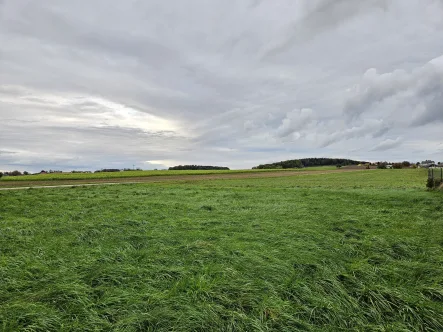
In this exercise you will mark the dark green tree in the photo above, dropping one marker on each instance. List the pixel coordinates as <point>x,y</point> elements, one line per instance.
<point>197,167</point>
<point>309,162</point>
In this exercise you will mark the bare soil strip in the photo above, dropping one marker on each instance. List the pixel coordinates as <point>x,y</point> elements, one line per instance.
<point>13,185</point>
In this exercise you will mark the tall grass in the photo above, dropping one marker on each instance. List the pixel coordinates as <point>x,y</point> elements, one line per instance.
<point>307,253</point>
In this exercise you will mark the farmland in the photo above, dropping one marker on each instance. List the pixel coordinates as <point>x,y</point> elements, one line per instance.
<point>358,250</point>
<point>140,174</point>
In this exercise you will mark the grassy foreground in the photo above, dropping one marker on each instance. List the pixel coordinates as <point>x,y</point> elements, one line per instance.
<point>132,174</point>
<point>358,251</point>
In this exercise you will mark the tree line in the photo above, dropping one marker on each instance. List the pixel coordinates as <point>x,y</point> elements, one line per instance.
<point>197,167</point>
<point>309,162</point>
<point>13,173</point>
<point>403,164</point>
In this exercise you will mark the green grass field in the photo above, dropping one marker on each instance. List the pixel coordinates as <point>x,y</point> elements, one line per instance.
<point>358,251</point>
<point>131,174</point>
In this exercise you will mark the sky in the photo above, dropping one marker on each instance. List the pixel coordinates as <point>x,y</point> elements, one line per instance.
<point>86,85</point>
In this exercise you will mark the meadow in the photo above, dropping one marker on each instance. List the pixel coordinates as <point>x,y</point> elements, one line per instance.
<point>357,251</point>
<point>139,174</point>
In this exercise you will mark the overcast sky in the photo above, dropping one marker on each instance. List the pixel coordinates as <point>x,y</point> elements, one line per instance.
<point>88,84</point>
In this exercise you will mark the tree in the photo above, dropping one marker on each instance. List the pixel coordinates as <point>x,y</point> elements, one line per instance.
<point>397,165</point>
<point>1,174</point>
<point>196,167</point>
<point>309,162</point>
<point>25,173</point>
<point>15,173</point>
<point>406,163</point>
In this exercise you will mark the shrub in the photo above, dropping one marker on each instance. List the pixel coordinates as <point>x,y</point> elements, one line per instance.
<point>430,183</point>
<point>434,183</point>
<point>381,166</point>
<point>397,166</point>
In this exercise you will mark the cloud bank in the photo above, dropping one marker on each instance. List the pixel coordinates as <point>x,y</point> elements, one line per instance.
<point>91,84</point>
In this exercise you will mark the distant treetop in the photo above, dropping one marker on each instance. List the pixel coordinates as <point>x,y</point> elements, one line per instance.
<point>308,162</point>
<point>197,167</point>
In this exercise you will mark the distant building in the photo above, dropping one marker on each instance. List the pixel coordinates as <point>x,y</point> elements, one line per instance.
<point>427,164</point>
<point>389,166</point>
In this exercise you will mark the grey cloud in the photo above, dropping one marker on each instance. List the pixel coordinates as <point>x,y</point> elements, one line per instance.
<point>323,15</point>
<point>433,112</point>
<point>131,81</point>
<point>421,88</point>
<point>387,145</point>
<point>295,121</point>
<point>430,92</point>
<point>375,88</point>
<point>369,128</point>
<point>255,3</point>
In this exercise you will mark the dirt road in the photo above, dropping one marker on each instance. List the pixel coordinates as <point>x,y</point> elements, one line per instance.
<point>14,185</point>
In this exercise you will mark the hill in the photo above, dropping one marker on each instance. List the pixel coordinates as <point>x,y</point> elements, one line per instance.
<point>309,162</point>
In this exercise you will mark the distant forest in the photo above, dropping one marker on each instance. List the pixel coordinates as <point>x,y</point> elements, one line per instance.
<point>309,162</point>
<point>197,167</point>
